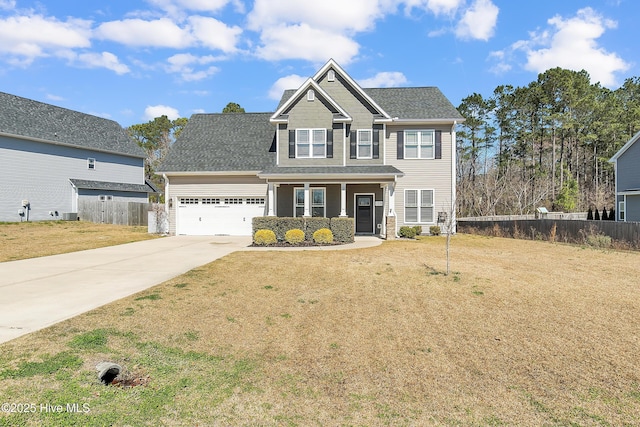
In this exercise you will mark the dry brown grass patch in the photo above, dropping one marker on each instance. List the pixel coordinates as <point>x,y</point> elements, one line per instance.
<point>23,240</point>
<point>522,333</point>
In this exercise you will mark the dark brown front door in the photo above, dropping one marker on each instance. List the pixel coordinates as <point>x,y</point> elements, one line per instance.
<point>364,213</point>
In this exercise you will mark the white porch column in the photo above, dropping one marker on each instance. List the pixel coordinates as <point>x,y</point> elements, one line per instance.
<point>343,199</point>
<point>391,196</point>
<point>307,201</point>
<point>271,199</point>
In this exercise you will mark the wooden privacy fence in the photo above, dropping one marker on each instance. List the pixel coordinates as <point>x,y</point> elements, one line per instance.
<point>575,231</point>
<point>113,212</point>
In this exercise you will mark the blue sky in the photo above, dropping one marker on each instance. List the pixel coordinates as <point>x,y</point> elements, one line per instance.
<point>134,60</point>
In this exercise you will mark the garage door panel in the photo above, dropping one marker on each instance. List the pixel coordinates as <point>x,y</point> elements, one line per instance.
<point>220,218</point>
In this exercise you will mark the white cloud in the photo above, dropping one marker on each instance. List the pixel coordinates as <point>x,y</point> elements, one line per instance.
<point>185,63</point>
<point>173,6</point>
<point>137,32</point>
<point>437,7</point>
<point>214,34</point>
<point>153,111</point>
<point>53,97</point>
<point>164,32</point>
<point>572,44</point>
<point>336,15</point>
<point>304,42</point>
<point>479,21</point>
<point>29,37</point>
<point>384,79</point>
<point>7,4</point>
<point>103,60</point>
<point>292,81</point>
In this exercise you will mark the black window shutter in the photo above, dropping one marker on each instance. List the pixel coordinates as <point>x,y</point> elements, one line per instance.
<point>438,144</point>
<point>329,143</point>
<point>292,143</point>
<point>400,144</point>
<point>376,143</point>
<point>353,145</point>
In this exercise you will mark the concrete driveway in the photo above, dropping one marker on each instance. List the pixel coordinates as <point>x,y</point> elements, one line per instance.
<point>39,292</point>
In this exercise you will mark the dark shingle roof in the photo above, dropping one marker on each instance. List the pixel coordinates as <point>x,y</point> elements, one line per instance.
<point>407,103</point>
<point>113,186</point>
<point>32,119</point>
<point>223,142</point>
<point>414,103</point>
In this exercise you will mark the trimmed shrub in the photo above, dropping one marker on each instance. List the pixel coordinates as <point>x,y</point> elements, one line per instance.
<point>407,232</point>
<point>434,230</point>
<point>313,224</point>
<point>323,235</point>
<point>590,214</point>
<point>604,216</point>
<point>294,236</point>
<point>264,237</point>
<point>279,225</point>
<point>418,229</point>
<point>612,215</point>
<point>343,229</point>
<point>596,215</point>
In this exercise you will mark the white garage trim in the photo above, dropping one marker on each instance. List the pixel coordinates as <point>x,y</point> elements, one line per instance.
<point>210,216</point>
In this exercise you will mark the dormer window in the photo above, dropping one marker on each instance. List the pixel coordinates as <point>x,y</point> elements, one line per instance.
<point>331,76</point>
<point>311,95</point>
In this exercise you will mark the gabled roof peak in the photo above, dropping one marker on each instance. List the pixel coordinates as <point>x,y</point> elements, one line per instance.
<point>310,83</point>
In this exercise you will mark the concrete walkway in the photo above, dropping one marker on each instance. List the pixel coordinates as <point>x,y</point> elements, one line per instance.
<point>40,292</point>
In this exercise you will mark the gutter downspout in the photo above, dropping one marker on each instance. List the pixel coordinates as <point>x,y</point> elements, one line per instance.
<point>454,175</point>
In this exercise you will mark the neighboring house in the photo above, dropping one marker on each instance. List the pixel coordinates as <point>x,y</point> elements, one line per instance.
<point>627,172</point>
<point>52,158</point>
<point>384,156</point>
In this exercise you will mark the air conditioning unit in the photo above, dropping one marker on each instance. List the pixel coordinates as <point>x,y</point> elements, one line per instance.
<point>69,216</point>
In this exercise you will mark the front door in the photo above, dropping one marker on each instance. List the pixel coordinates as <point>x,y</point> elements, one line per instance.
<point>364,213</point>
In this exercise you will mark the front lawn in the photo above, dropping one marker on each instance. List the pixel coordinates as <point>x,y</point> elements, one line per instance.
<point>521,333</point>
<point>21,240</point>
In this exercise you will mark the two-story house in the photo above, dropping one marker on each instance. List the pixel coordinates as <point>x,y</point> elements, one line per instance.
<point>626,162</point>
<point>52,159</point>
<point>383,156</point>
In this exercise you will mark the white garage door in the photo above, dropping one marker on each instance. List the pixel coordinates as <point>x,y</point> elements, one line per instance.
<point>210,216</point>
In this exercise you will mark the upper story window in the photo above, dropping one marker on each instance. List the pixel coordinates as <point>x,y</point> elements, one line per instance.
<point>419,144</point>
<point>91,163</point>
<point>311,143</point>
<point>311,95</point>
<point>365,144</point>
<point>331,76</point>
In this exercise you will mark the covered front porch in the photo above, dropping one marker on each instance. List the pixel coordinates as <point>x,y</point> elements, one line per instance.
<point>344,192</point>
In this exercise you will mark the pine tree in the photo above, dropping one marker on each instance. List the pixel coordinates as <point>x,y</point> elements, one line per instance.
<point>590,214</point>
<point>596,216</point>
<point>605,217</point>
<point>612,215</point>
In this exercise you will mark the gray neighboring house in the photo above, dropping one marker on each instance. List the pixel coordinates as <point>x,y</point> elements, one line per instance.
<point>383,156</point>
<point>51,158</point>
<point>627,172</point>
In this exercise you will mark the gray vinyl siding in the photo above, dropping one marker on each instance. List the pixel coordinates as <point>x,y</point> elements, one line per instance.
<point>632,209</point>
<point>40,173</point>
<point>359,111</point>
<point>628,173</point>
<point>422,174</point>
<point>213,186</point>
<point>308,115</point>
